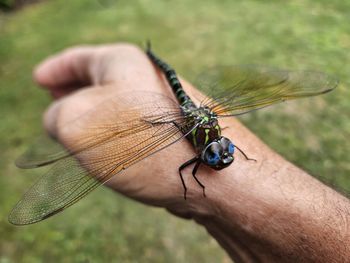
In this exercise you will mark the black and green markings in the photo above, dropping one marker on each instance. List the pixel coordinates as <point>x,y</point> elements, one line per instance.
<point>149,123</point>
<point>243,89</point>
<point>212,149</point>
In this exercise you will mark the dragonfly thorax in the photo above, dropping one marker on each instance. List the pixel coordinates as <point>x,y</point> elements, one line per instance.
<point>207,129</point>
<point>202,115</point>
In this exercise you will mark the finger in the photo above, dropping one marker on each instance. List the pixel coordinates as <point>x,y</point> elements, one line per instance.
<point>61,72</point>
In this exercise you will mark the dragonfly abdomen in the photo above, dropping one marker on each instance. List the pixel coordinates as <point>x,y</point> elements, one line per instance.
<point>172,79</point>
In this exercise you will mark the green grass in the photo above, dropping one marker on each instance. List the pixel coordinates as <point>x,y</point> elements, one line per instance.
<point>106,227</point>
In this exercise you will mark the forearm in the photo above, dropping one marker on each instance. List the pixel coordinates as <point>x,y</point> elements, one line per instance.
<point>271,211</point>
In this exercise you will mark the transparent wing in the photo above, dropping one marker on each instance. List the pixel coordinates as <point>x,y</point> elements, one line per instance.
<point>235,90</point>
<point>43,151</point>
<point>99,145</point>
<point>46,150</point>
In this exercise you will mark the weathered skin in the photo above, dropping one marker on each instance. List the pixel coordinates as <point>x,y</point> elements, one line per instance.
<point>269,211</point>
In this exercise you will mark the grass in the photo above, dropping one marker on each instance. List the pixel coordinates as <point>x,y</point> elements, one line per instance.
<point>190,35</point>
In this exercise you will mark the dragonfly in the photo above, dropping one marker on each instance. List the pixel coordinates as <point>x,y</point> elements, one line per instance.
<point>86,157</point>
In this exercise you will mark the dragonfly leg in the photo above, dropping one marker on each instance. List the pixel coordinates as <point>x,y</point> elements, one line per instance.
<point>183,166</point>
<point>246,157</point>
<point>194,171</point>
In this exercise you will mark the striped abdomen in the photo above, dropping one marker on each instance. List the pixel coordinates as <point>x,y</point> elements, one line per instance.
<point>172,79</point>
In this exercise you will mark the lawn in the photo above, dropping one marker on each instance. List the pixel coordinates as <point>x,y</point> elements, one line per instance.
<point>104,227</point>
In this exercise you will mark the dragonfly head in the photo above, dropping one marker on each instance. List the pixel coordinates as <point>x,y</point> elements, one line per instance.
<point>218,154</point>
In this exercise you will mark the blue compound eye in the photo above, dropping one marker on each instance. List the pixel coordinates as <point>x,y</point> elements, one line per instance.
<point>213,158</point>
<point>212,154</point>
<point>231,148</point>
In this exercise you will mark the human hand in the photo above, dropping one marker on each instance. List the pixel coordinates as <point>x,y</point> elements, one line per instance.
<point>267,211</point>
<point>80,79</point>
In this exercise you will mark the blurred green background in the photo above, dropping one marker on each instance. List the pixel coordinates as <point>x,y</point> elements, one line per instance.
<point>190,35</point>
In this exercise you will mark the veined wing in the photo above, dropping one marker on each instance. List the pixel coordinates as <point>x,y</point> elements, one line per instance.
<point>95,153</point>
<point>235,90</point>
<point>46,150</point>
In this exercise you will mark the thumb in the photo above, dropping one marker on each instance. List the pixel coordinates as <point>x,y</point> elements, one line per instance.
<point>68,109</point>
<point>51,116</point>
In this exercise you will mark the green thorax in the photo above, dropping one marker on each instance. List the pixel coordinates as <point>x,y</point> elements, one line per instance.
<point>207,130</point>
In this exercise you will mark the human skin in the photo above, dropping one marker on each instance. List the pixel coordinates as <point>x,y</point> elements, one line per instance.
<point>264,211</point>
